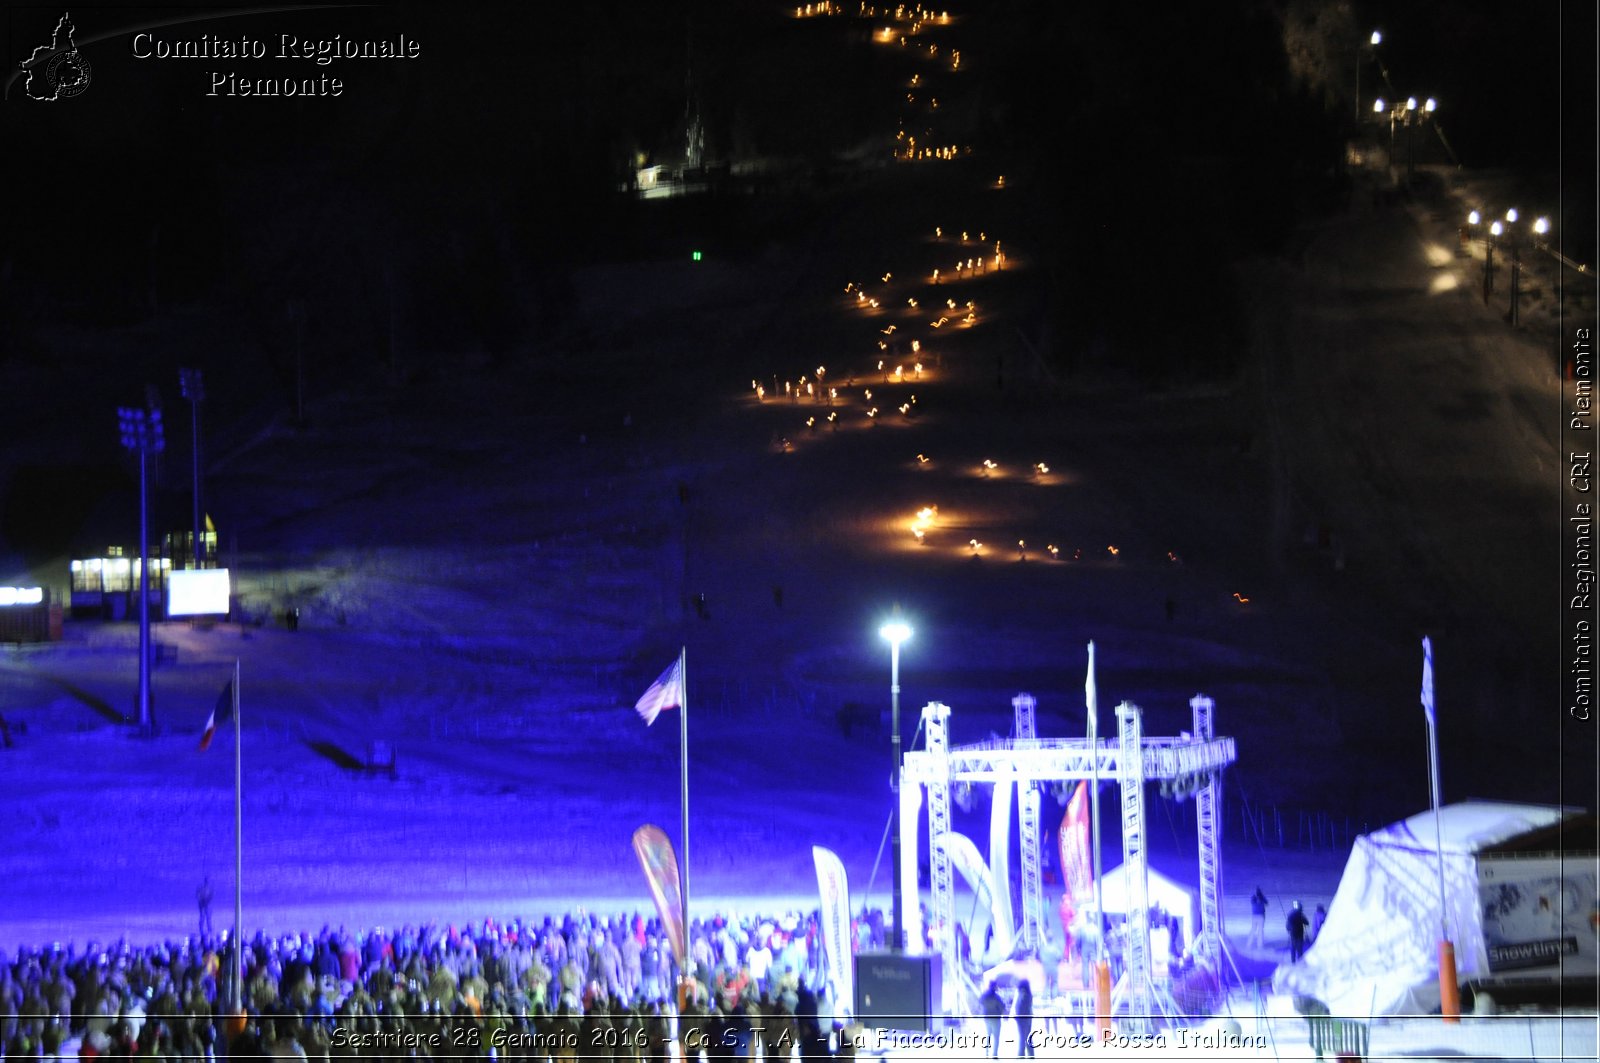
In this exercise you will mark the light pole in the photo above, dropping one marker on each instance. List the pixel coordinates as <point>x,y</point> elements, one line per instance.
<point>1474,219</point>
<point>1506,227</point>
<point>1428,107</point>
<point>1488,258</point>
<point>141,431</point>
<point>1372,42</point>
<point>194,390</point>
<point>1540,227</point>
<point>895,631</point>
<point>1516,265</point>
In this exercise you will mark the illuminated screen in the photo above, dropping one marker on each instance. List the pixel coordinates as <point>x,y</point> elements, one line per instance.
<point>198,592</point>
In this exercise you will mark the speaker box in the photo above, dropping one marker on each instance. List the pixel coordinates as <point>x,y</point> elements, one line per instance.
<point>897,992</point>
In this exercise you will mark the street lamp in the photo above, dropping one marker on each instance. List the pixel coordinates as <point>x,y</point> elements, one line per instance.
<point>1495,229</point>
<point>1372,42</point>
<point>1380,106</point>
<point>1539,227</point>
<point>141,431</point>
<point>1516,266</point>
<point>895,631</point>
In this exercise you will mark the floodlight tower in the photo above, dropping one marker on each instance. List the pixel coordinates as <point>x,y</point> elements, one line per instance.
<point>141,431</point>
<point>194,390</point>
<point>895,631</point>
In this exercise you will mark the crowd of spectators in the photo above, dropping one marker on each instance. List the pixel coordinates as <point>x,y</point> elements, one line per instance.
<point>584,987</point>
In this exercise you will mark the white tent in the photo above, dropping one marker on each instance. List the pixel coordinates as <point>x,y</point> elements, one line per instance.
<point>1378,952</point>
<point>1164,893</point>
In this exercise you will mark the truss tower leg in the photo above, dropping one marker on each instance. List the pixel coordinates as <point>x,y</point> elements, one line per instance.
<point>1138,998</point>
<point>935,722</point>
<point>1208,816</point>
<point>1024,705</point>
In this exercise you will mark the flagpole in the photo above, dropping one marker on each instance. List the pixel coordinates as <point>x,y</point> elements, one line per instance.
<point>1102,968</point>
<point>238,848</point>
<point>683,791</point>
<point>1449,989</point>
<point>1438,826</point>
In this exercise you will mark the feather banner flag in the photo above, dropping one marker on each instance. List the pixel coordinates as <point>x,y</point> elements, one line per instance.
<point>654,850</point>
<point>966,859</point>
<point>1074,837</point>
<point>833,889</point>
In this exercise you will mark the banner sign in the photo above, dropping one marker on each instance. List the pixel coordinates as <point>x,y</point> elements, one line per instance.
<point>1539,916</point>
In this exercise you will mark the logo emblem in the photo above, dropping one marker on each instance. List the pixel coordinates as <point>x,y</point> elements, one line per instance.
<point>57,71</point>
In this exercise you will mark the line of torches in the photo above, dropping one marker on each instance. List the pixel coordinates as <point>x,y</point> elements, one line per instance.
<point>814,390</point>
<point>927,517</point>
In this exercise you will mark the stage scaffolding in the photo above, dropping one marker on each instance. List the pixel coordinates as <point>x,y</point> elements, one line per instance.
<point>1192,761</point>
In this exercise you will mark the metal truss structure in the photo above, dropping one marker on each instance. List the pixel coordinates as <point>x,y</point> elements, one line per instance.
<point>1193,762</point>
<point>1028,813</point>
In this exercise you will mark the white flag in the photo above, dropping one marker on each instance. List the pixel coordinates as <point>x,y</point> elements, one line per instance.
<point>665,693</point>
<point>1427,679</point>
<point>1091,700</point>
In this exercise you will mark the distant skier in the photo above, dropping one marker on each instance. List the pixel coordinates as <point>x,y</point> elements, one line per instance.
<point>1318,917</point>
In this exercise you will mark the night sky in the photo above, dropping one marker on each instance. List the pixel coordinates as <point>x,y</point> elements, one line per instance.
<point>1196,130</point>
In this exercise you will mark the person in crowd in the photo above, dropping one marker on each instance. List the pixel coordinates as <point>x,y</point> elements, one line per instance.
<point>1086,939</point>
<point>1318,917</point>
<point>301,990</point>
<point>1258,920</point>
<point>758,961</point>
<point>202,899</point>
<point>693,1029</point>
<point>722,1033</point>
<point>1022,1011</point>
<point>994,1009</point>
<point>1296,924</point>
<point>778,1027</point>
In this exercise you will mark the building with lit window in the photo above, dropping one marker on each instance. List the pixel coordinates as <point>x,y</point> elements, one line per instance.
<point>107,587</point>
